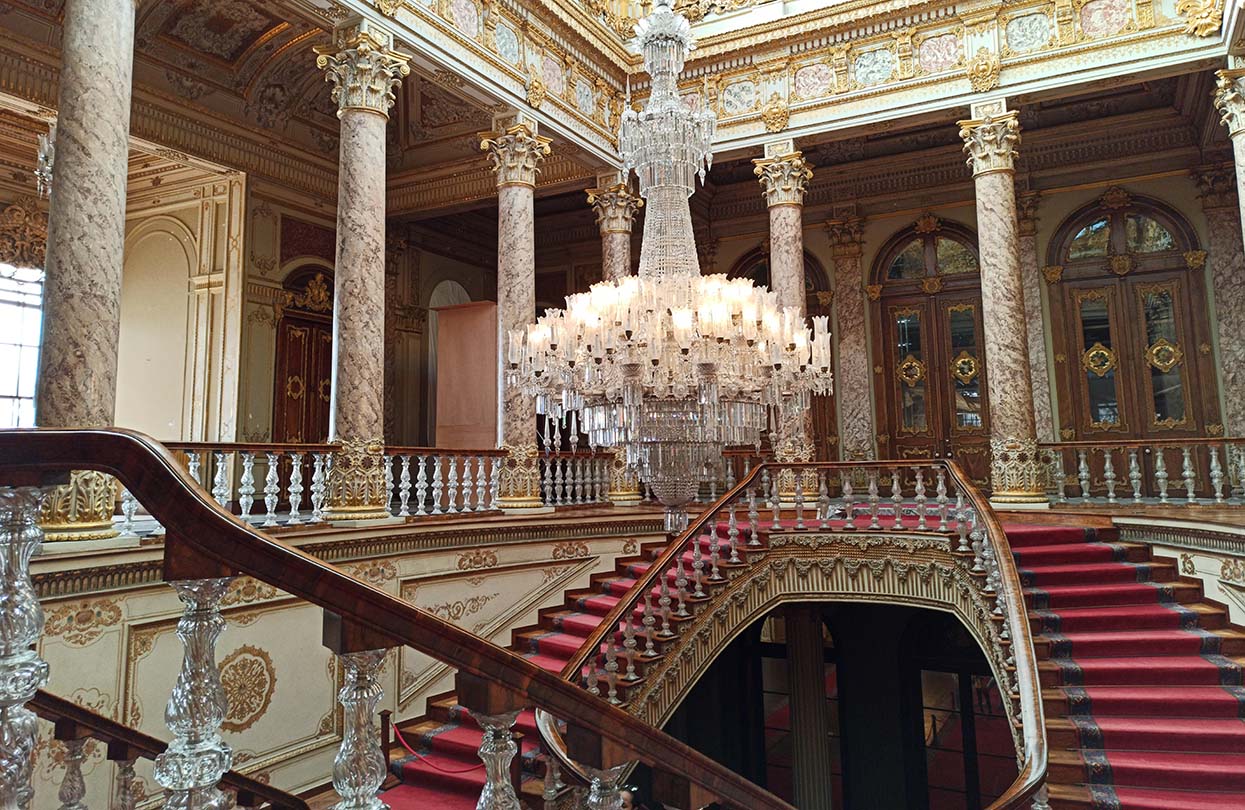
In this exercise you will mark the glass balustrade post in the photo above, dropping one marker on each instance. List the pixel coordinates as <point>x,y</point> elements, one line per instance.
<point>359,767</point>
<point>497,750</point>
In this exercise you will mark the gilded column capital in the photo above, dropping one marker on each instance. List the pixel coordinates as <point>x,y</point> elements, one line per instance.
<point>783,178</point>
<point>990,142</point>
<point>615,207</point>
<point>1230,99</point>
<point>1216,186</point>
<point>515,154</point>
<point>846,237</point>
<point>363,67</point>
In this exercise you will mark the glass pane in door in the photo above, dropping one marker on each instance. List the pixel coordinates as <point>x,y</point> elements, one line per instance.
<point>911,382</point>
<point>944,740</point>
<point>1163,353</point>
<point>965,366</point>
<point>1099,360</point>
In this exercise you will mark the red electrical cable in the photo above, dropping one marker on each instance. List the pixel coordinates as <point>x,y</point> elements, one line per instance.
<point>428,762</point>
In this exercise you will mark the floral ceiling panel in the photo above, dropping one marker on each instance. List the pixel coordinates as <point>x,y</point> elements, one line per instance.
<point>224,29</point>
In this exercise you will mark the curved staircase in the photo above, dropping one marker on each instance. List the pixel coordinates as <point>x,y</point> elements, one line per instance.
<point>1142,679</point>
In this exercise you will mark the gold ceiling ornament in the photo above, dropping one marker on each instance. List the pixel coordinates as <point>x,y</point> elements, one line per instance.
<point>1164,355</point>
<point>1121,264</point>
<point>23,233</point>
<point>910,371</point>
<point>983,70</point>
<point>81,509</point>
<point>363,67</point>
<point>1230,98</point>
<point>964,367</point>
<point>1115,198</point>
<point>776,115</point>
<point>931,285</point>
<point>1099,360</point>
<point>873,291</point>
<point>783,179</point>
<point>1053,273</point>
<point>1195,259</point>
<point>356,482</point>
<point>927,223</point>
<point>1202,17</point>
<point>536,92</point>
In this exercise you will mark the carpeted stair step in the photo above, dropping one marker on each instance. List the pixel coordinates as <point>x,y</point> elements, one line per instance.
<point>1042,576</point>
<point>1164,670</point>
<point>1146,701</point>
<point>1131,617</point>
<point>1172,734</point>
<point>1082,797</point>
<point>1078,553</point>
<point>1131,593</point>
<point>1153,769</point>
<point>1021,535</point>
<point>1120,643</point>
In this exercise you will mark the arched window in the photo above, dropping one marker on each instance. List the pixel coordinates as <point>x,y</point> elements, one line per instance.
<point>754,265</point>
<point>930,248</point>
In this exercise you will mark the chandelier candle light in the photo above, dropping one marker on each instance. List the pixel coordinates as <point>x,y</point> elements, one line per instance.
<point>670,366</point>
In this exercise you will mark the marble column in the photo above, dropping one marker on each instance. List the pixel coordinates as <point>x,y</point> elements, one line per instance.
<point>990,139</point>
<point>852,382</point>
<point>1227,269</point>
<point>1031,272</point>
<point>86,239</point>
<point>364,69</point>
<point>784,175</point>
<point>615,206</point>
<point>810,713</point>
<point>516,151</point>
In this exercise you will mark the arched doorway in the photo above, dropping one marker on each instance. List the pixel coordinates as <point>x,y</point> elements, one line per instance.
<point>1130,323</point>
<point>754,265</point>
<point>447,293</point>
<point>304,356</point>
<point>925,299</point>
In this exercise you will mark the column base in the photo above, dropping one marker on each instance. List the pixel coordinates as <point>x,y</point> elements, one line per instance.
<point>348,520</point>
<point>1006,502</point>
<point>625,499</point>
<point>538,509</point>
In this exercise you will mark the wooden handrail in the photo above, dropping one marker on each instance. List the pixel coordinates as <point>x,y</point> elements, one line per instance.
<point>1033,773</point>
<point>53,708</point>
<point>198,530</point>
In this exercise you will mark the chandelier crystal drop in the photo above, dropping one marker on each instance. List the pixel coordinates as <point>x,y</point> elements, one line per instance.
<point>670,366</point>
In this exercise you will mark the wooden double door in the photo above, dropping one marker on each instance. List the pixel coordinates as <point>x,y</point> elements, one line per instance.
<point>933,392</point>
<point>303,380</point>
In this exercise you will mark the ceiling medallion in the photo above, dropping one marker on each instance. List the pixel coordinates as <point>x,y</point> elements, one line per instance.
<point>910,371</point>
<point>1099,360</point>
<point>1164,355</point>
<point>964,367</point>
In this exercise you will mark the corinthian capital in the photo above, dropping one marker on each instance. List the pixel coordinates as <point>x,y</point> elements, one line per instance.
<point>1230,98</point>
<point>846,237</point>
<point>990,142</point>
<point>363,67</point>
<point>515,153</point>
<point>615,207</point>
<point>784,178</point>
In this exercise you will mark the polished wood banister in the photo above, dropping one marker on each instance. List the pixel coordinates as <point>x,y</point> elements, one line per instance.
<point>198,529</point>
<point>1033,773</point>
<point>53,708</point>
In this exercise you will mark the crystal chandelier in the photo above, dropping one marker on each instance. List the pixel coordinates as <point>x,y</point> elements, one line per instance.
<point>670,366</point>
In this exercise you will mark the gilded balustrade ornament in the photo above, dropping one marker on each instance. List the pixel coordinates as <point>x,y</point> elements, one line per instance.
<point>1016,471</point>
<point>515,154</point>
<point>81,509</point>
<point>784,179</point>
<point>518,482</point>
<point>624,487</point>
<point>363,67</point>
<point>1230,98</point>
<point>990,142</point>
<point>355,489</point>
<point>615,207</point>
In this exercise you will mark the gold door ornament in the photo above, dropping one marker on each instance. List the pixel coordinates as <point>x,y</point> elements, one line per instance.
<point>294,387</point>
<point>1099,359</point>
<point>1164,355</point>
<point>964,367</point>
<point>910,371</point>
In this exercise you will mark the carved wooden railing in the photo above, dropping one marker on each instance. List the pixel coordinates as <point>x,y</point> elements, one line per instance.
<point>205,548</point>
<point>1188,471</point>
<point>74,725</point>
<point>925,516</point>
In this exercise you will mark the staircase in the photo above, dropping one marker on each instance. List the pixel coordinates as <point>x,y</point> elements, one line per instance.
<point>1142,679</point>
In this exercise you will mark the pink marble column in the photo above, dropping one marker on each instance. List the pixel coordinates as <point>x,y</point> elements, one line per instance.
<point>990,140</point>
<point>615,207</point>
<point>1031,272</point>
<point>852,381</point>
<point>516,151</point>
<point>77,381</point>
<point>1227,267</point>
<point>363,69</point>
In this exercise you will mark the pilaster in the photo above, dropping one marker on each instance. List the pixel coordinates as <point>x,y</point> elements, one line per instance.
<point>852,382</point>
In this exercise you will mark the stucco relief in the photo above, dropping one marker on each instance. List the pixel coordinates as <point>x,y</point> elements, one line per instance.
<point>1102,18</point>
<point>554,74</point>
<point>873,67</point>
<point>507,43</point>
<point>585,98</point>
<point>466,17</point>
<point>939,53</point>
<point>81,622</point>
<point>249,679</point>
<point>1028,32</point>
<point>739,97</point>
<point>814,81</point>
<point>223,28</point>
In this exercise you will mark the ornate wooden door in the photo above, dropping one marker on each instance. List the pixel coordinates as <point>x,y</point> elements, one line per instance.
<point>304,365</point>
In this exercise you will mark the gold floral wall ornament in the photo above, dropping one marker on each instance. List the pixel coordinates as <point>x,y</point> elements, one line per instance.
<point>931,285</point>
<point>776,115</point>
<point>1099,359</point>
<point>1202,17</point>
<point>1214,429</point>
<point>1164,355</point>
<point>388,7</point>
<point>983,70</point>
<point>1195,259</point>
<point>1121,264</point>
<point>1067,434</point>
<point>23,233</point>
<point>964,367</point>
<point>249,679</point>
<point>536,92</point>
<point>910,371</point>
<point>873,291</point>
<point>927,223</point>
<point>1053,273</point>
<point>81,622</point>
<point>1115,198</point>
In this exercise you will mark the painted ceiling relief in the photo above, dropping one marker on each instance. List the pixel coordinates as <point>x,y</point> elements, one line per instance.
<point>222,28</point>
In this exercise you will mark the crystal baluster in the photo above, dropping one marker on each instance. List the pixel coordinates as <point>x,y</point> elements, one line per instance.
<point>629,645</point>
<point>754,524</point>
<point>799,500</point>
<point>663,602</point>
<point>649,620</point>
<point>1160,474</point>
<point>404,488</point>
<point>451,486</point>
<point>1188,474</point>
<point>1134,474</point>
<point>940,491</point>
<point>246,486</point>
<point>732,534</point>
<point>497,751</point>
<point>849,500</point>
<point>680,585</point>
<point>73,785</point>
<point>874,500</point>
<point>220,483</point>
<point>22,671</point>
<point>317,487</point>
<point>494,479</point>
<point>698,569</point>
<point>295,488</point>
<point>359,767</point>
<point>1055,471</point>
<point>192,765</point>
<point>1108,473</point>
<point>546,480</point>
<point>775,504</point>
<point>715,551</point>
<point>193,464</point>
<point>1216,474</point>
<point>125,792</point>
<point>559,478</point>
<point>604,792</point>
<point>129,506</point>
<point>436,485</point>
<point>919,498</point>
<point>421,485</point>
<point>272,489</point>
<point>896,500</point>
<point>481,485</point>
<point>611,670</point>
<point>1082,472</point>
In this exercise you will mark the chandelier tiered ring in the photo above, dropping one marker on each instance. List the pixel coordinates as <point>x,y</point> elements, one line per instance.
<point>671,366</point>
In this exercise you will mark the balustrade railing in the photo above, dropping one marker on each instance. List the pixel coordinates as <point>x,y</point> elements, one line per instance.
<point>934,500</point>
<point>575,478</point>
<point>205,548</point>
<point>1148,471</point>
